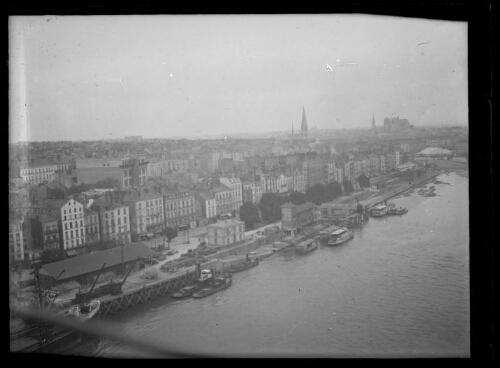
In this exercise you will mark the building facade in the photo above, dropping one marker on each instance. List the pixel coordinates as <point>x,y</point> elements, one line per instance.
<point>114,222</point>
<point>295,218</point>
<point>226,233</point>
<point>39,174</point>
<point>237,192</point>
<point>72,221</point>
<point>92,228</point>
<point>223,199</point>
<point>16,246</point>
<point>180,208</point>
<point>146,212</point>
<point>45,232</point>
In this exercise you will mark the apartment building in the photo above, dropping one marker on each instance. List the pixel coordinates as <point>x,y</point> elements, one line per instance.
<point>92,227</point>
<point>208,205</point>
<point>237,191</point>
<point>128,172</point>
<point>45,232</point>
<point>38,174</point>
<point>180,208</point>
<point>114,221</point>
<point>146,211</point>
<point>252,192</point>
<point>268,183</point>
<point>16,246</point>
<point>223,199</point>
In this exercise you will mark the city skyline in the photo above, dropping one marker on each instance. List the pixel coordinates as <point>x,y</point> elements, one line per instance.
<point>106,77</point>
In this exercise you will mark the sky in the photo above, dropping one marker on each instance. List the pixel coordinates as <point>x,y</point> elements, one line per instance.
<point>169,76</point>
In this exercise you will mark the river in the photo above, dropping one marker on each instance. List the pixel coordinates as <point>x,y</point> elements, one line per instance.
<point>399,288</point>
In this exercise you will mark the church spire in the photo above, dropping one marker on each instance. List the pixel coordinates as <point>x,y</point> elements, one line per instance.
<point>303,127</point>
<point>373,121</point>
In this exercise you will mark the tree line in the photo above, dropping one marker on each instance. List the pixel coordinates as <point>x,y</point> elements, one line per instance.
<point>268,210</point>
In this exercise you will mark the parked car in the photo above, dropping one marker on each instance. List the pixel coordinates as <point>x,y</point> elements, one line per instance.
<point>172,252</point>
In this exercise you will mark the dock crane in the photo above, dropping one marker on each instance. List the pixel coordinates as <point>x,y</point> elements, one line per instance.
<point>82,297</point>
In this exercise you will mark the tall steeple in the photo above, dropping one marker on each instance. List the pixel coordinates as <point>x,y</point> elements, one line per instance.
<point>303,127</point>
<point>373,121</point>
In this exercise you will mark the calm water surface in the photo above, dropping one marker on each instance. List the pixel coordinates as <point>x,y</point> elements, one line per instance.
<point>400,288</point>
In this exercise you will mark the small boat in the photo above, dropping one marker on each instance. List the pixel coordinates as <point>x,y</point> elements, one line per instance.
<point>380,210</point>
<point>306,246</point>
<point>219,283</point>
<point>249,263</point>
<point>185,292</point>
<point>85,311</point>
<point>340,236</point>
<point>401,211</point>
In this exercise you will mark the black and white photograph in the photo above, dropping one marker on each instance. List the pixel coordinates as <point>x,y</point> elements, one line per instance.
<point>246,185</point>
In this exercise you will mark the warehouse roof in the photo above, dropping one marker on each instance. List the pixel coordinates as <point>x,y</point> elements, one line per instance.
<point>93,262</point>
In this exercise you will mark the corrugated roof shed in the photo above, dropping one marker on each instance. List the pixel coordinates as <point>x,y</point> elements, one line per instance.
<point>93,262</point>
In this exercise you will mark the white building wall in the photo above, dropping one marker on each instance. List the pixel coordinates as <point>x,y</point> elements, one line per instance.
<point>73,227</point>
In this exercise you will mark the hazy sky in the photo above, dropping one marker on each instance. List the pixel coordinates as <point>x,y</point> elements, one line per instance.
<point>98,77</point>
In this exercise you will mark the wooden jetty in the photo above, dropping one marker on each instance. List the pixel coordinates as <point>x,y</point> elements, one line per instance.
<point>141,294</point>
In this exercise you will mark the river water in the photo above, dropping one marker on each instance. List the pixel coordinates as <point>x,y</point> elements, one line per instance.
<point>399,288</point>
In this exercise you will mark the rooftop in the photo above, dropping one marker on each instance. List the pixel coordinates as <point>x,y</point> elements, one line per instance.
<point>93,262</point>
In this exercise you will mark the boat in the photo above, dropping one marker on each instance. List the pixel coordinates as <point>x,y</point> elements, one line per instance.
<point>340,236</point>
<point>185,292</point>
<point>84,311</point>
<point>219,283</point>
<point>380,210</point>
<point>306,246</point>
<point>401,211</point>
<point>248,263</point>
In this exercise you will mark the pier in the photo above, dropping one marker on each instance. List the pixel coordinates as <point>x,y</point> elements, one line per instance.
<point>141,294</point>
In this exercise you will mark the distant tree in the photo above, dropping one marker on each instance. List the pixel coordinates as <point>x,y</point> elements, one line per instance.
<point>297,198</point>
<point>170,233</point>
<point>364,181</point>
<point>348,188</point>
<point>333,190</point>
<point>249,213</point>
<point>270,206</point>
<point>77,189</point>
<point>317,194</point>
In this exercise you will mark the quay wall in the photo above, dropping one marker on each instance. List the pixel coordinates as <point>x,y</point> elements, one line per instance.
<point>250,245</point>
<point>406,188</point>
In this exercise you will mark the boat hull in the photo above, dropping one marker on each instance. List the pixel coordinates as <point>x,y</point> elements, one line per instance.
<point>305,251</point>
<point>206,292</point>
<point>341,241</point>
<point>244,267</point>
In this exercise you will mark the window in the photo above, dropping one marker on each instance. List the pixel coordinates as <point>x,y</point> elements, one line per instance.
<point>70,225</point>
